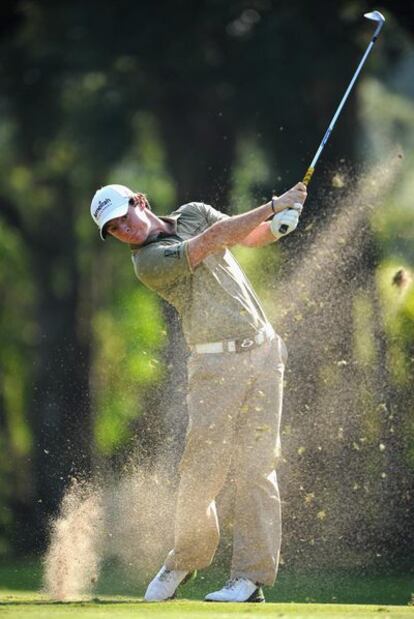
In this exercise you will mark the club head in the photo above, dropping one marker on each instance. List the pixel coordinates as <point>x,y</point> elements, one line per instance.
<point>375,16</point>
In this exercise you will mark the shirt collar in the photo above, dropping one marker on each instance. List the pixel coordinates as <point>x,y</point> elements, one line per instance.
<point>158,236</point>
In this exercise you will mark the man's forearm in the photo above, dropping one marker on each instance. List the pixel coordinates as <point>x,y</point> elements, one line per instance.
<point>233,230</point>
<point>260,236</point>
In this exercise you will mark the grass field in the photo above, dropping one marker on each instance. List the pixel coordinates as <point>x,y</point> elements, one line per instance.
<point>24,605</point>
<point>310,594</point>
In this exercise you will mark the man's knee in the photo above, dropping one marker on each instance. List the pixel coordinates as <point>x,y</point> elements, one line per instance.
<point>206,458</point>
<point>281,350</point>
<point>257,475</point>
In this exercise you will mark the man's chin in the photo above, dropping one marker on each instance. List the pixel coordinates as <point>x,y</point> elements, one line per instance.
<point>137,241</point>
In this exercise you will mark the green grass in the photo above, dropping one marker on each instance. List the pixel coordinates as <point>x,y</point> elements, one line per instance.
<point>312,594</point>
<point>319,586</point>
<point>25,605</point>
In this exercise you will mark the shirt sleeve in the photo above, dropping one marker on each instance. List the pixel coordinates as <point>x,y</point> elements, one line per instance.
<point>211,214</point>
<point>160,265</point>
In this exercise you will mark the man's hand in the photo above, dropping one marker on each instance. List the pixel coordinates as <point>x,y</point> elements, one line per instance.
<point>294,196</point>
<point>251,228</point>
<point>287,220</point>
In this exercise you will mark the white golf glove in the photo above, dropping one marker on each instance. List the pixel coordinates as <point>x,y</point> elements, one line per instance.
<point>288,218</point>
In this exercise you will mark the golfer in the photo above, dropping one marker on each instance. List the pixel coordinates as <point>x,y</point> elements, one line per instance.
<point>235,377</point>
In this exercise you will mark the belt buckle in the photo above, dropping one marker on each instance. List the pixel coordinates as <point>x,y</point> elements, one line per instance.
<point>245,344</point>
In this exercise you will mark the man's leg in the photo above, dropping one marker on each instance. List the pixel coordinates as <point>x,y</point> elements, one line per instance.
<point>216,391</point>
<point>257,519</point>
<point>217,387</point>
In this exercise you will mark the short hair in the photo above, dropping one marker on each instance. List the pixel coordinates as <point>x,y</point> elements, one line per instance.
<point>139,199</point>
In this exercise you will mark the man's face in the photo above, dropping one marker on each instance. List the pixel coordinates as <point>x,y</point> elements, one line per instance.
<point>134,227</point>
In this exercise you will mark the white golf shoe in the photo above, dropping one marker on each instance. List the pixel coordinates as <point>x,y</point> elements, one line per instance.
<point>237,590</point>
<point>164,585</point>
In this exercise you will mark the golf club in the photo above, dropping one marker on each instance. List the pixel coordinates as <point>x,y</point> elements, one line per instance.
<point>380,19</point>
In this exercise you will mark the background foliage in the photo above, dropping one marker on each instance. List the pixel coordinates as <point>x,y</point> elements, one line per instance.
<point>221,102</point>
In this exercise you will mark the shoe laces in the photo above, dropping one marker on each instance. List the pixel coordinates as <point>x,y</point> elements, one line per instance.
<point>165,575</point>
<point>232,583</point>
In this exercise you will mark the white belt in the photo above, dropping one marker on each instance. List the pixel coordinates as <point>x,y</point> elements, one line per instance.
<point>240,345</point>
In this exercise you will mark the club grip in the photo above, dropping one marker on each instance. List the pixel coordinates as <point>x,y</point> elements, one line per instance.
<point>308,176</point>
<point>306,180</point>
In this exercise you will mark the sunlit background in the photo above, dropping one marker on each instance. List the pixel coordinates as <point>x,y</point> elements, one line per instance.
<point>220,102</point>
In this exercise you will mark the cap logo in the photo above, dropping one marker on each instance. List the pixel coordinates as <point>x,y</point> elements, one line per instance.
<point>101,205</point>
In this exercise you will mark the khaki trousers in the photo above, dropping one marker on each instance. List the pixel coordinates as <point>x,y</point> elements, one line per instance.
<point>234,407</point>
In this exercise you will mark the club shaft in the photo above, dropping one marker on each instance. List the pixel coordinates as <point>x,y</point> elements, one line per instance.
<point>309,172</point>
<point>325,138</point>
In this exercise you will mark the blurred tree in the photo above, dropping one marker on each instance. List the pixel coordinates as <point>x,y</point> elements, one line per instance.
<point>82,84</point>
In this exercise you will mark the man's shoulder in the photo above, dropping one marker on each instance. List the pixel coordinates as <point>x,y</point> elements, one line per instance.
<point>161,263</point>
<point>194,209</point>
<point>189,206</point>
<point>200,213</point>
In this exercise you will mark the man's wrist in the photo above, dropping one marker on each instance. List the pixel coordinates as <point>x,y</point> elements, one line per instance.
<point>270,206</point>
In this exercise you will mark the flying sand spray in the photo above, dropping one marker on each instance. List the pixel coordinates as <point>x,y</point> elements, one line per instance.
<point>380,19</point>
<point>102,521</point>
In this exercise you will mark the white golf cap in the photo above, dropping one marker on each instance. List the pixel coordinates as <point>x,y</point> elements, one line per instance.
<point>109,202</point>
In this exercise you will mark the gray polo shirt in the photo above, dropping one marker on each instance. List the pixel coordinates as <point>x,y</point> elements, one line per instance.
<point>215,300</point>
